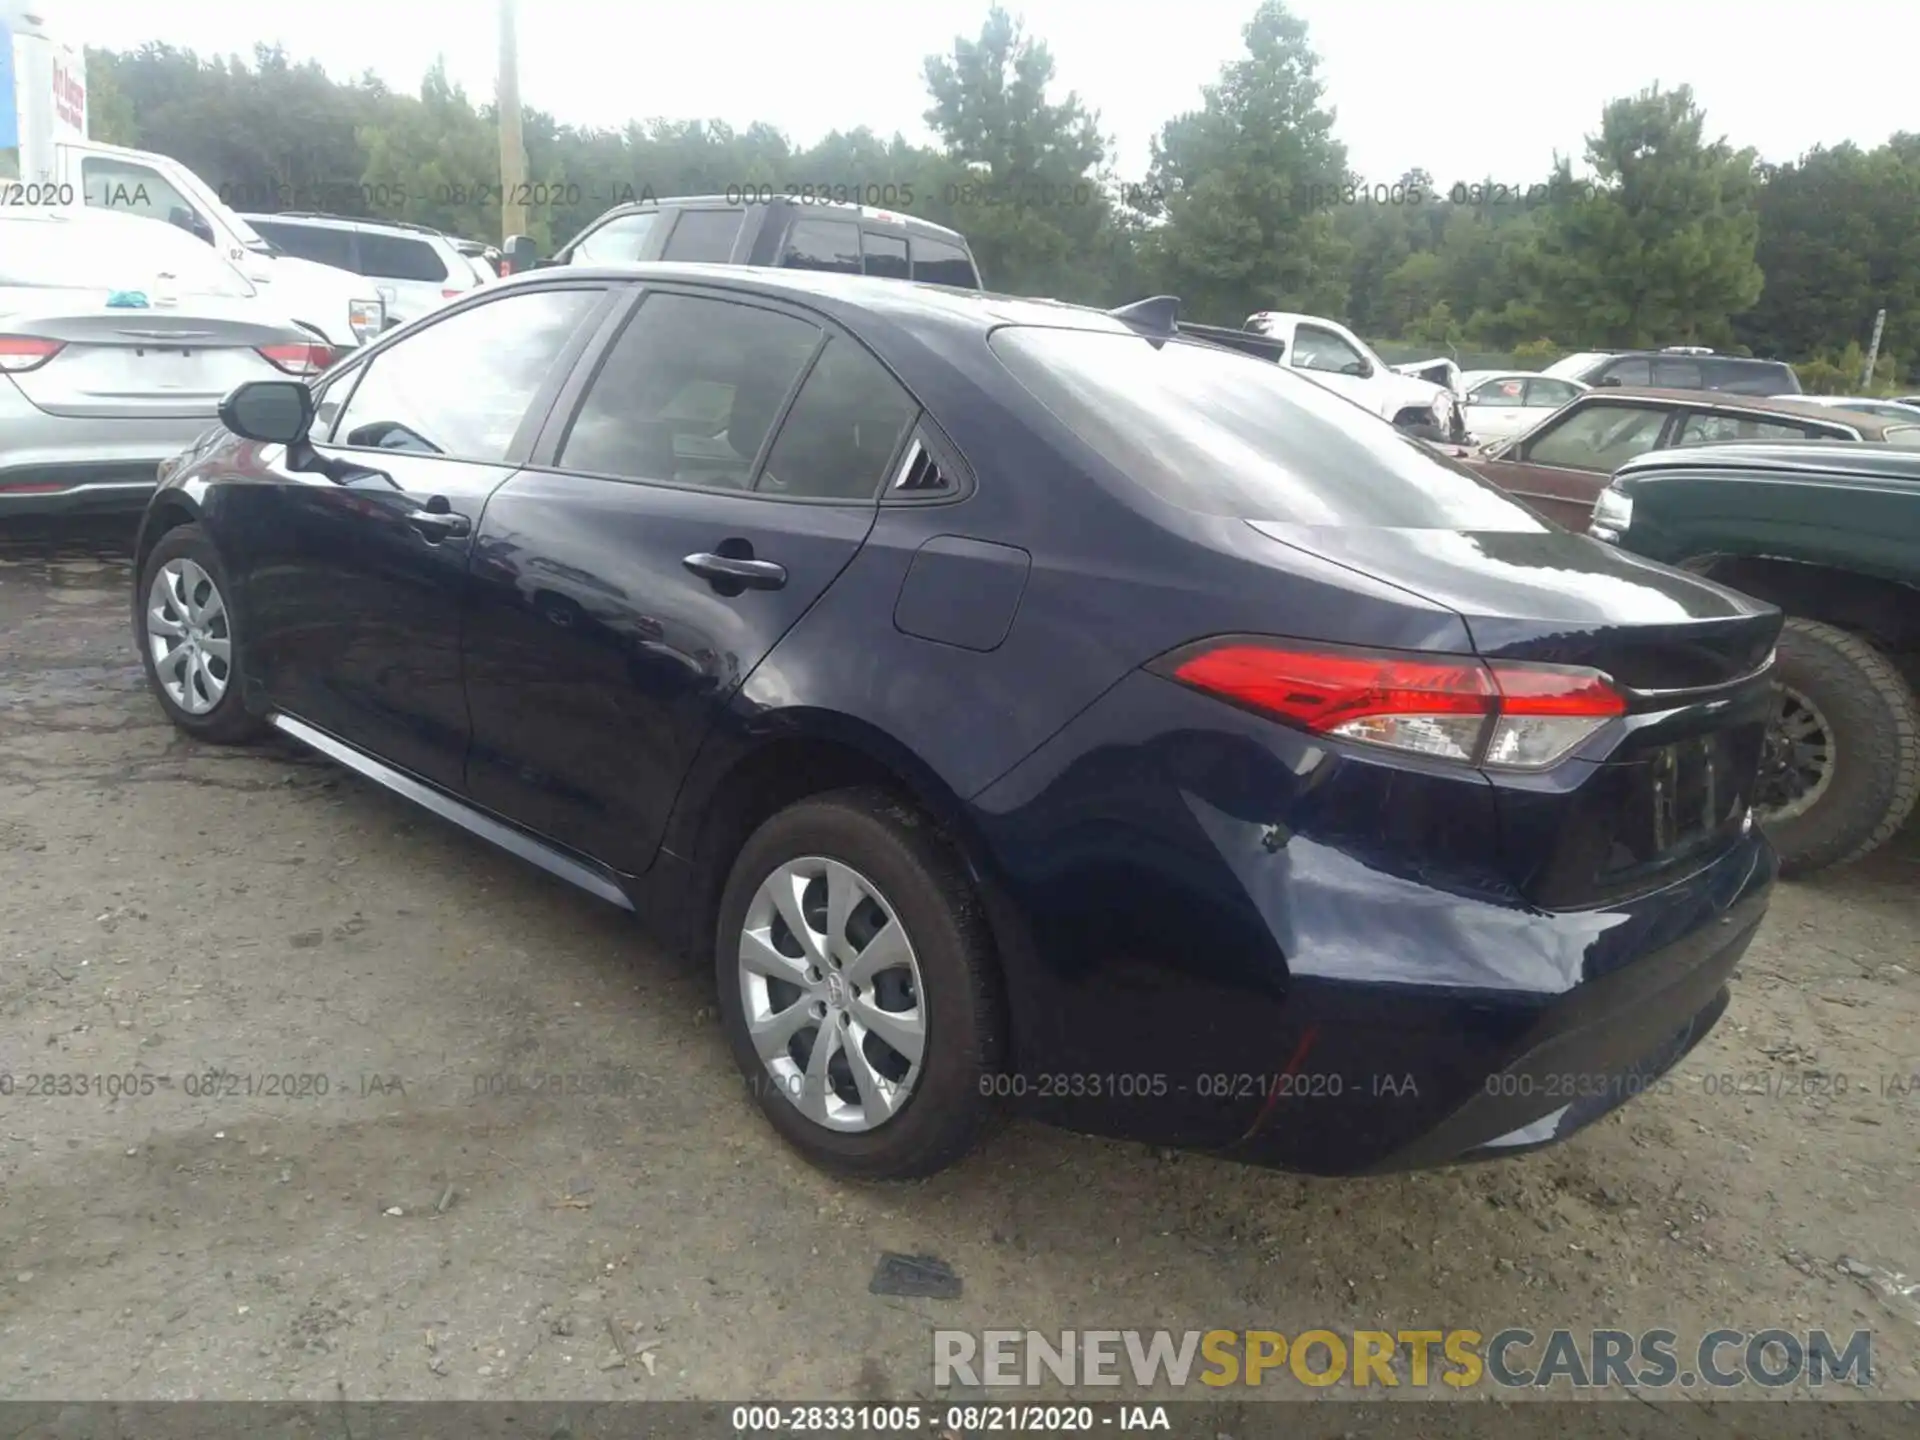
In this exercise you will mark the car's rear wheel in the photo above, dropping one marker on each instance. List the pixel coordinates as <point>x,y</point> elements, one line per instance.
<point>189,646</point>
<point>858,987</point>
<point>1842,764</point>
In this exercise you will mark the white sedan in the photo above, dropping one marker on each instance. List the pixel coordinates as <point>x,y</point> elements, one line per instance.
<point>119,337</point>
<point>1500,404</point>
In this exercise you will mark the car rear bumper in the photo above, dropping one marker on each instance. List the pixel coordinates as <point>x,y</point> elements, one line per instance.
<point>1218,936</point>
<point>59,464</point>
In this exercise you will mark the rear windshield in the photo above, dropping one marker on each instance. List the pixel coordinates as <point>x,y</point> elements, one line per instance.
<point>1222,433</point>
<point>105,251</point>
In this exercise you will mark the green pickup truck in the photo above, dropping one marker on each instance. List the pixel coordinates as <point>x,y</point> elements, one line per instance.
<point>1829,532</point>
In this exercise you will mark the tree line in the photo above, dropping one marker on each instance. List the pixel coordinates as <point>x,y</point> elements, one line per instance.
<point>1669,236</point>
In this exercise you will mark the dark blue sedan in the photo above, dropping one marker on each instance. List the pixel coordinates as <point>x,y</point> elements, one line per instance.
<point>1021,704</point>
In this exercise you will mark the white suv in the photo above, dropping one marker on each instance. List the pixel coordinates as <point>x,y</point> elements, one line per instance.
<point>415,267</point>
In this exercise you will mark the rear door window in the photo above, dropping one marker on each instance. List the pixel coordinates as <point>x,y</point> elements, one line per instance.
<point>688,392</point>
<point>322,244</point>
<point>822,245</point>
<point>394,257</point>
<point>935,262</point>
<point>1632,370</point>
<point>1598,437</point>
<point>1222,433</point>
<point>1702,428</point>
<point>704,235</point>
<point>885,255</point>
<point>1544,394</point>
<point>1678,374</point>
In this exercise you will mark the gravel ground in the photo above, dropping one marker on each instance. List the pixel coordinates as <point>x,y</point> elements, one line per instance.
<point>169,909</point>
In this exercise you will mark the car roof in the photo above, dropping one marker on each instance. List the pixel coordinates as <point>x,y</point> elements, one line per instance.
<point>1481,376</point>
<point>839,209</point>
<point>1872,427</point>
<point>319,221</point>
<point>1825,456</point>
<point>977,310</point>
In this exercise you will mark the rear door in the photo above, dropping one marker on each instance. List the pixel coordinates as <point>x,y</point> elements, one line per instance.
<point>670,529</point>
<point>1561,468</point>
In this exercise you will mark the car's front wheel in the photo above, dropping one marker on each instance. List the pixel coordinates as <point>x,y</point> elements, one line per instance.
<point>187,636</point>
<point>858,986</point>
<point>1841,768</point>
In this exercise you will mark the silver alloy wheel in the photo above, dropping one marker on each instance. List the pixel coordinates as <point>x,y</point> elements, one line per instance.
<point>1802,758</point>
<point>831,991</point>
<point>189,636</point>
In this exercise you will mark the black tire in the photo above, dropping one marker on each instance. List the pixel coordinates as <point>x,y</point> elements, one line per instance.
<point>902,853</point>
<point>1875,731</point>
<point>228,722</point>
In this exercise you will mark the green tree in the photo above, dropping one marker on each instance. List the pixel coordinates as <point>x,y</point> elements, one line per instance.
<point>1244,179</point>
<point>1024,176</point>
<point>1659,248</point>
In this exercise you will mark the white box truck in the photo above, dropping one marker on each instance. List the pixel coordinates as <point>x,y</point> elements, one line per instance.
<point>47,159</point>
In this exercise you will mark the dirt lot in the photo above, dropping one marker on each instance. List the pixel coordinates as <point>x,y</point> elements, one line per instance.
<point>168,909</point>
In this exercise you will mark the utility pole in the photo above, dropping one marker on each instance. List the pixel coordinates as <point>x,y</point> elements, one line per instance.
<point>513,154</point>
<point>1873,350</point>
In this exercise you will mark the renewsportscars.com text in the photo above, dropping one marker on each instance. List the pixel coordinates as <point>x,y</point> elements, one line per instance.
<point>1389,1359</point>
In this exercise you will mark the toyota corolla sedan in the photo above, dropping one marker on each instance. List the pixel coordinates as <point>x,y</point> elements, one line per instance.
<point>1022,705</point>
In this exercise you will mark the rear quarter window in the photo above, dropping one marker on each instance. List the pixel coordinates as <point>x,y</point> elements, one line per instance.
<point>1221,433</point>
<point>1751,377</point>
<point>935,262</point>
<point>394,257</point>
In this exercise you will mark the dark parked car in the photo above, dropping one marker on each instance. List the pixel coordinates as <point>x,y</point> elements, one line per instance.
<point>783,232</point>
<point>1016,701</point>
<point>1562,464</point>
<point>1830,534</point>
<point>1679,367</point>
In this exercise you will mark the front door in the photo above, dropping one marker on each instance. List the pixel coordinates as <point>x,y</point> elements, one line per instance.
<point>1330,358</point>
<point>357,566</point>
<point>671,530</point>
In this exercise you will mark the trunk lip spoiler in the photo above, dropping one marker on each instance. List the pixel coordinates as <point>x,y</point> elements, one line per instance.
<point>1693,694</point>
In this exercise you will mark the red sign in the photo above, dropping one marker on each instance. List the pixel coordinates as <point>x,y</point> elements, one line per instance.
<point>69,97</point>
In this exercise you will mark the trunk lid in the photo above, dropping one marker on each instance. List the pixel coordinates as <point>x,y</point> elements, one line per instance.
<point>162,361</point>
<point>1673,783</point>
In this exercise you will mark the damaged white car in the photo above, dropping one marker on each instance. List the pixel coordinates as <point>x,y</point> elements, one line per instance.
<point>1329,353</point>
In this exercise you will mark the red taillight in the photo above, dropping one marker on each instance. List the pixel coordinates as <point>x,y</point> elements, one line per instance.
<point>1506,713</point>
<point>297,359</point>
<point>20,353</point>
<point>451,294</point>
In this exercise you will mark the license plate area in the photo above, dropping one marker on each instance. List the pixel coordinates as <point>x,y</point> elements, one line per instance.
<point>1682,797</point>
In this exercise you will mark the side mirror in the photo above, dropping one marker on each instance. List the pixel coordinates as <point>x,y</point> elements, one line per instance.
<point>1359,369</point>
<point>277,412</point>
<point>520,254</point>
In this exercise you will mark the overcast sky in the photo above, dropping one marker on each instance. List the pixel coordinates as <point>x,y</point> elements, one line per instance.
<point>1463,90</point>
